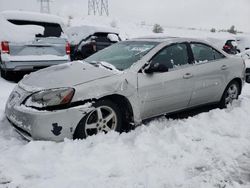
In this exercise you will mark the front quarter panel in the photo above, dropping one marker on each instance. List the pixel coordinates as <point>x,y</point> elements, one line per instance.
<point>124,84</point>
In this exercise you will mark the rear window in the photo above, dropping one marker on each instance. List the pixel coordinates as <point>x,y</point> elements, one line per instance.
<point>103,37</point>
<point>50,29</point>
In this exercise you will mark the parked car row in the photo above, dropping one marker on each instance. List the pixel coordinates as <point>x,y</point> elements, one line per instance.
<point>32,41</point>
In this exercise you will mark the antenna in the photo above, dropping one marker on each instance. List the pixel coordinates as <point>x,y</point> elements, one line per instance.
<point>45,6</point>
<point>98,6</point>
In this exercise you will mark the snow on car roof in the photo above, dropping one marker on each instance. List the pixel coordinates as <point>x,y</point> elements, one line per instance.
<point>17,33</point>
<point>31,16</point>
<point>23,33</point>
<point>78,33</point>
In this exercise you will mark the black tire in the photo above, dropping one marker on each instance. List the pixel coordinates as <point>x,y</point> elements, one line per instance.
<point>3,75</point>
<point>100,124</point>
<point>226,99</point>
<point>7,75</point>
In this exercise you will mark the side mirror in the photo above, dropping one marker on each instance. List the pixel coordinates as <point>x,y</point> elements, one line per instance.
<point>155,67</point>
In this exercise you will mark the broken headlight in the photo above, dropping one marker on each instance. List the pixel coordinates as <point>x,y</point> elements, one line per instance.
<point>50,98</point>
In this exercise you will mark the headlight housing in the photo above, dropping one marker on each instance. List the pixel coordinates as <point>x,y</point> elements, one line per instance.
<point>50,98</point>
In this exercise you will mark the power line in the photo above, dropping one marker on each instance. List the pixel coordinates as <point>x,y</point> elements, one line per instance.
<point>100,7</point>
<point>45,6</point>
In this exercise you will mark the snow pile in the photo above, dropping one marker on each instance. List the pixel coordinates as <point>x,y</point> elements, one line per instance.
<point>207,150</point>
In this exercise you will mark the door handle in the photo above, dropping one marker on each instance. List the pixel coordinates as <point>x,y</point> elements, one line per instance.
<point>224,67</point>
<point>187,76</point>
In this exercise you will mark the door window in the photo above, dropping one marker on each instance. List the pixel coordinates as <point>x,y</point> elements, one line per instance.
<point>205,53</point>
<point>172,56</point>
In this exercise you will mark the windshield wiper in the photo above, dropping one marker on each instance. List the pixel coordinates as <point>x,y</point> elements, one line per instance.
<point>103,64</point>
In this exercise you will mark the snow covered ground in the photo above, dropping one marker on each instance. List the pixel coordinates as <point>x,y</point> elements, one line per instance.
<point>211,149</point>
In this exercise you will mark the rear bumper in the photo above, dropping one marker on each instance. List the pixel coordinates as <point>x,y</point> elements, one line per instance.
<point>29,65</point>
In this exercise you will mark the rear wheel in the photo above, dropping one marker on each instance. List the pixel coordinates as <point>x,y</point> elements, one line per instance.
<point>8,75</point>
<point>230,94</point>
<point>2,73</point>
<point>104,118</point>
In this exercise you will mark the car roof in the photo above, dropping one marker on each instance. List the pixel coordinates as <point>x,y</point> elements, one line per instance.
<point>170,39</point>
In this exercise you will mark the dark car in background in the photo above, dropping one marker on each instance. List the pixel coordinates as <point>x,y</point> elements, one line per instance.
<point>86,40</point>
<point>230,47</point>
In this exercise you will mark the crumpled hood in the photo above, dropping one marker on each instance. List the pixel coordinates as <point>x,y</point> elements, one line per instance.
<point>65,75</point>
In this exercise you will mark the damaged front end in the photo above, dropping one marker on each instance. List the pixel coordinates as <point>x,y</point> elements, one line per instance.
<point>34,122</point>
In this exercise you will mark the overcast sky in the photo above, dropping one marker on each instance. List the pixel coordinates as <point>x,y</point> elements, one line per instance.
<point>186,13</point>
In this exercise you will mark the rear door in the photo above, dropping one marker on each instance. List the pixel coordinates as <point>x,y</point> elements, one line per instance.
<point>48,42</point>
<point>211,70</point>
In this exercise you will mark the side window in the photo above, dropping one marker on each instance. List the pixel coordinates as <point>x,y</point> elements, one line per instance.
<point>218,55</point>
<point>204,53</point>
<point>172,56</point>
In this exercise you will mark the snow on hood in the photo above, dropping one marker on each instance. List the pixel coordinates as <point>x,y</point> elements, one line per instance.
<point>64,75</point>
<point>78,33</point>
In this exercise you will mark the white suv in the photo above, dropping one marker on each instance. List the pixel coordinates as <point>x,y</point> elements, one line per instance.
<point>30,41</point>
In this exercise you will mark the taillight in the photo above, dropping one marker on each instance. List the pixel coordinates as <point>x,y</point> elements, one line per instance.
<point>5,47</point>
<point>226,47</point>
<point>67,48</point>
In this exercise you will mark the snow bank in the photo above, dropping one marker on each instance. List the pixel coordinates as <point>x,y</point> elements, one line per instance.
<point>207,150</point>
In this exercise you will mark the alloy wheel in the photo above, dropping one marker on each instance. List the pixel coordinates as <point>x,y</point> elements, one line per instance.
<point>102,119</point>
<point>231,94</point>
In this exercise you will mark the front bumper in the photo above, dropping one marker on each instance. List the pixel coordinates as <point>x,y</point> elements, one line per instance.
<point>42,125</point>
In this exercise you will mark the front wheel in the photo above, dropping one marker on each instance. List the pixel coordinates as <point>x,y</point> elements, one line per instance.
<point>105,117</point>
<point>230,94</point>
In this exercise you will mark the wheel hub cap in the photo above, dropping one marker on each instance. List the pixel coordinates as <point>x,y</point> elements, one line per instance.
<point>102,119</point>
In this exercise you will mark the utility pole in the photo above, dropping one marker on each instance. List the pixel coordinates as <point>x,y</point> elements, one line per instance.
<point>45,6</point>
<point>98,6</point>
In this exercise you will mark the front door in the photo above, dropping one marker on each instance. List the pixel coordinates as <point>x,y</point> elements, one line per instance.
<point>162,92</point>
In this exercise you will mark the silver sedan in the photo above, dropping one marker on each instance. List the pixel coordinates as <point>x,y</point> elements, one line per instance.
<point>122,85</point>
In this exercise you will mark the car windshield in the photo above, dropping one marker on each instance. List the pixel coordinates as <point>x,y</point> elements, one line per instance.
<point>123,54</point>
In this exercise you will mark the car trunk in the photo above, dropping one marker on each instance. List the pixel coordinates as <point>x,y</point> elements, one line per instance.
<point>47,43</point>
